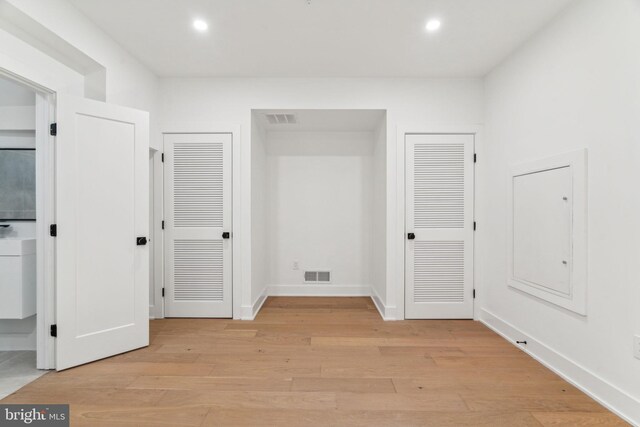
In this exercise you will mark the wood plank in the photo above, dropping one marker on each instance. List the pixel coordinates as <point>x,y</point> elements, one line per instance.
<point>143,416</point>
<point>354,385</point>
<point>378,368</point>
<point>211,383</point>
<point>301,418</point>
<point>401,402</point>
<point>500,401</point>
<point>139,368</point>
<point>250,399</point>
<point>578,419</point>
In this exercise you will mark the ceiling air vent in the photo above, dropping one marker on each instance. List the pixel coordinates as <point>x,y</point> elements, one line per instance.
<point>281,118</point>
<point>317,277</point>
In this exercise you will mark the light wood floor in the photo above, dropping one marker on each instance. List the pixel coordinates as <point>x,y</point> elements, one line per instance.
<point>318,361</point>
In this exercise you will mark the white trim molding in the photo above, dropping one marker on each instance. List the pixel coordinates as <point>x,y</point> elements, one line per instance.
<point>605,393</point>
<point>241,219</point>
<point>250,312</point>
<point>387,312</point>
<point>396,239</point>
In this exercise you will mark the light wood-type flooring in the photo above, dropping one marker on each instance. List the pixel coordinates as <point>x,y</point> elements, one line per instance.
<point>318,362</point>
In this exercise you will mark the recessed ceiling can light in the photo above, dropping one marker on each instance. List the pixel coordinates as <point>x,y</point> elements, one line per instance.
<point>200,25</point>
<point>433,25</point>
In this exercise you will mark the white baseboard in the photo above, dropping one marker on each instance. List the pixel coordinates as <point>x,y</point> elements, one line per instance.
<point>18,342</point>
<point>18,334</point>
<point>313,290</point>
<point>607,394</point>
<point>249,312</point>
<point>257,304</point>
<point>386,312</point>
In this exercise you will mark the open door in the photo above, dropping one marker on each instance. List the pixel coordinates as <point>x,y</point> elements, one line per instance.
<point>102,218</point>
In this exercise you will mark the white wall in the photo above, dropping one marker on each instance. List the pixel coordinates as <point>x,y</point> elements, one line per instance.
<point>575,85</point>
<point>410,104</point>
<point>259,216</point>
<point>320,210</point>
<point>128,82</point>
<point>24,60</point>
<point>379,216</point>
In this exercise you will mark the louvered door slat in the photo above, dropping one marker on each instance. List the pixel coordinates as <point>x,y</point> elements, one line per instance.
<point>439,196</point>
<point>198,211</point>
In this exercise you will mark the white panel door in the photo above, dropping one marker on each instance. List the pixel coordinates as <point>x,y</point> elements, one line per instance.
<point>198,225</point>
<point>439,222</point>
<point>102,208</point>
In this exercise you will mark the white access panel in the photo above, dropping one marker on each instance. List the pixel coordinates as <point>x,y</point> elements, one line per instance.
<point>547,229</point>
<point>102,191</point>
<point>542,228</point>
<point>198,235</point>
<point>439,226</point>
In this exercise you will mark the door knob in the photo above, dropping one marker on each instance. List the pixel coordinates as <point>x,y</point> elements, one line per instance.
<point>226,235</point>
<point>141,241</point>
<point>411,236</point>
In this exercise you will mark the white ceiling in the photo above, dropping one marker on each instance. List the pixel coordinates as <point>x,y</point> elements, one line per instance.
<point>326,38</point>
<point>14,94</point>
<point>324,120</point>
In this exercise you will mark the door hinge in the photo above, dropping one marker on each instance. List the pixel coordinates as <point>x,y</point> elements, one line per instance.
<point>474,294</point>
<point>162,157</point>
<point>54,330</point>
<point>474,226</point>
<point>475,158</point>
<point>162,292</point>
<point>163,224</point>
<point>53,129</point>
<point>53,230</point>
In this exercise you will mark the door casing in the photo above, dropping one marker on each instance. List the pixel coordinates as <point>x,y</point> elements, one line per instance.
<point>242,306</point>
<point>399,229</point>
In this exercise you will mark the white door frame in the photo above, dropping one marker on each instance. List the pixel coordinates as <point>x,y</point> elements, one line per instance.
<point>45,215</point>
<point>156,256</point>
<point>399,240</point>
<point>241,237</point>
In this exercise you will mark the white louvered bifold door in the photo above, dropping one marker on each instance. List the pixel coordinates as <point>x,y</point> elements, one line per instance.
<point>197,173</point>
<point>439,239</point>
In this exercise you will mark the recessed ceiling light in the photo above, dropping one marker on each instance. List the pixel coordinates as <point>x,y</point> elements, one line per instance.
<point>433,25</point>
<point>200,25</point>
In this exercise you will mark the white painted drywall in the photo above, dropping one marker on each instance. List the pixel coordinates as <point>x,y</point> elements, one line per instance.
<point>128,82</point>
<point>320,207</point>
<point>24,60</point>
<point>259,213</point>
<point>573,86</point>
<point>411,104</point>
<point>379,214</point>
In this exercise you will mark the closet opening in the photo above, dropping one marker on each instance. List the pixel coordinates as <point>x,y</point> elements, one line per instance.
<point>319,203</point>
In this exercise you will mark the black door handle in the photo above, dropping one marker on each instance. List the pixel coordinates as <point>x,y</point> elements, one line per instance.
<point>411,236</point>
<point>226,235</point>
<point>141,241</point>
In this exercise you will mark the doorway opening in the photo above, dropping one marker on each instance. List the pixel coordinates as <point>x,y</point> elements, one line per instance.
<point>23,261</point>
<point>319,203</point>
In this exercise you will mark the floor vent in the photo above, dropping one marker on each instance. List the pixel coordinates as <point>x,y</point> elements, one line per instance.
<point>281,119</point>
<point>317,277</point>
